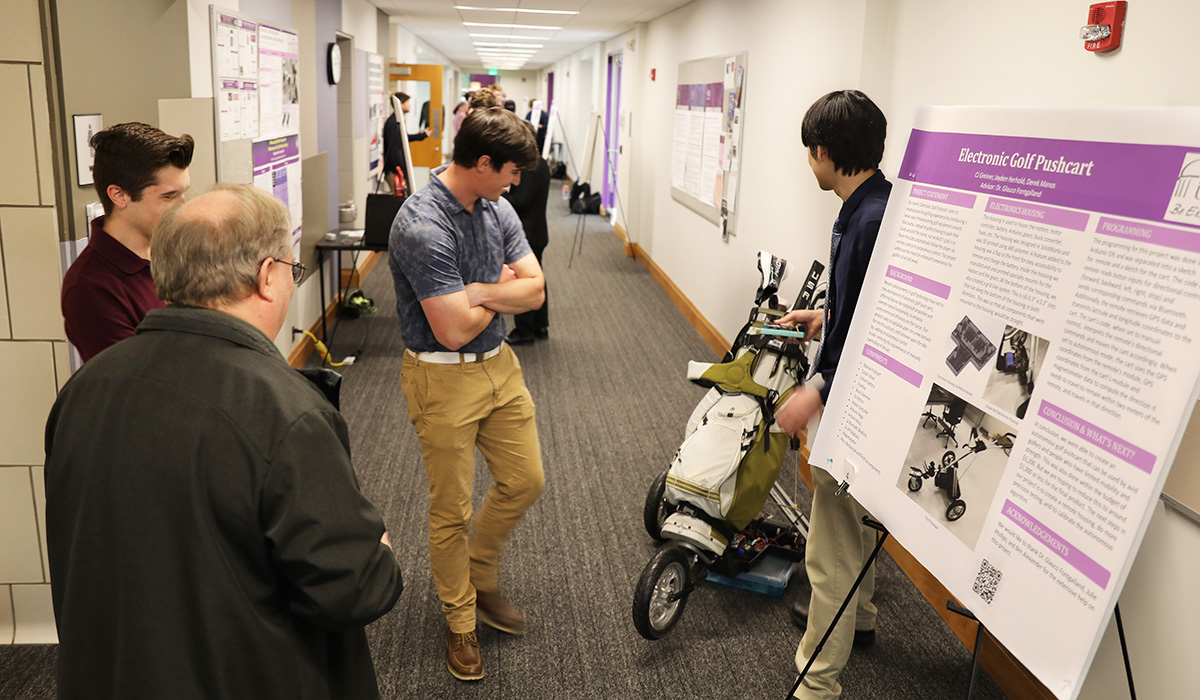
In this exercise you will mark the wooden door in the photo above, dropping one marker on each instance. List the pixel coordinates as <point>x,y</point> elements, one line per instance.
<point>427,153</point>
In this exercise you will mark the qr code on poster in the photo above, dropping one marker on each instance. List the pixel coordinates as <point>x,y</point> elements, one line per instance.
<point>986,581</point>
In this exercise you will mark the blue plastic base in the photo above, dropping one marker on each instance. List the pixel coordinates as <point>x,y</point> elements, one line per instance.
<point>769,577</point>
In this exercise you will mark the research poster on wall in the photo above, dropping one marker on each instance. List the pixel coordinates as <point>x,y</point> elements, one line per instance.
<point>279,86</point>
<point>277,170</point>
<point>1022,361</point>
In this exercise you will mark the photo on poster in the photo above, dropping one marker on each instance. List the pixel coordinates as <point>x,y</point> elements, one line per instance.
<point>968,350</point>
<point>955,462</point>
<point>1018,360</point>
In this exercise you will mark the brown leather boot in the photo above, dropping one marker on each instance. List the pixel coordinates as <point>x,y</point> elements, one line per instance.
<point>494,611</point>
<point>462,656</point>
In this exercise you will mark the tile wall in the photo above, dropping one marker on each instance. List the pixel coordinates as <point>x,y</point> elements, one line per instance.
<point>33,350</point>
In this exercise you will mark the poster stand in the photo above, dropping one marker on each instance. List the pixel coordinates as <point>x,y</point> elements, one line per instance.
<point>1124,651</point>
<point>954,607</point>
<point>879,540</point>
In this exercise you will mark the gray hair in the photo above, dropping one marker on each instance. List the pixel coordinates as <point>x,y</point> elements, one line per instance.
<point>202,260</point>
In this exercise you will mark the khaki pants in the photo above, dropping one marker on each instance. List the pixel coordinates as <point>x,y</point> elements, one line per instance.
<point>838,546</point>
<point>456,408</point>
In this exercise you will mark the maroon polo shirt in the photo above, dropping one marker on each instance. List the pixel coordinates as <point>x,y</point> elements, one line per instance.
<point>106,293</point>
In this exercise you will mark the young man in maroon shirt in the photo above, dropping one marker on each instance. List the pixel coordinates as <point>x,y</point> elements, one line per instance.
<point>140,173</point>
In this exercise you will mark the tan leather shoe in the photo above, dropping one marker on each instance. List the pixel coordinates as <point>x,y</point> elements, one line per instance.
<point>494,611</point>
<point>462,656</point>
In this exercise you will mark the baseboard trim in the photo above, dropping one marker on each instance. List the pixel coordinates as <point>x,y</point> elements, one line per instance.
<point>305,348</point>
<point>703,326</point>
<point>1010,674</point>
<point>348,276</point>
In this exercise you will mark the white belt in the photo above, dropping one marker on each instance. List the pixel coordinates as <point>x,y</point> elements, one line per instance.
<point>453,358</point>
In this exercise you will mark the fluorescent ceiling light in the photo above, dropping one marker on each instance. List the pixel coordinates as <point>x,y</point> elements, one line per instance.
<point>517,9</point>
<point>508,52</point>
<point>508,45</point>
<point>508,36</point>
<point>510,26</point>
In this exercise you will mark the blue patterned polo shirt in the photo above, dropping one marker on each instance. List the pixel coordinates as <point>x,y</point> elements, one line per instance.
<point>437,247</point>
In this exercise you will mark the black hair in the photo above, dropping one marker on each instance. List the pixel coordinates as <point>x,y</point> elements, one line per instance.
<point>130,155</point>
<point>850,126</point>
<point>499,134</point>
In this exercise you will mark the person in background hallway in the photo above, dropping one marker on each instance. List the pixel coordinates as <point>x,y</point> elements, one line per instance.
<point>844,133</point>
<point>204,526</point>
<point>481,99</point>
<point>510,106</point>
<point>140,172</point>
<point>393,144</point>
<point>540,120</point>
<point>459,261</point>
<point>528,198</point>
<point>460,113</point>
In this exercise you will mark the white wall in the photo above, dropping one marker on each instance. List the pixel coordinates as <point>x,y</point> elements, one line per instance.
<point>359,19</point>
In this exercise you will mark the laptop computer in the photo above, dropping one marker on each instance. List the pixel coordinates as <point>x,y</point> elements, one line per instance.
<point>381,212</point>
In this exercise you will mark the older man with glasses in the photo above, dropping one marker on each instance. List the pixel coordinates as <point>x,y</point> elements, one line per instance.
<point>205,529</point>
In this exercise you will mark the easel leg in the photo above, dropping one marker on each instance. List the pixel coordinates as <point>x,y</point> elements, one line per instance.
<point>956,608</point>
<point>1124,651</point>
<point>883,534</point>
<point>577,242</point>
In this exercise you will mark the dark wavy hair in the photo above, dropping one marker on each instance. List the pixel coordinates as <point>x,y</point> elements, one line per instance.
<point>130,155</point>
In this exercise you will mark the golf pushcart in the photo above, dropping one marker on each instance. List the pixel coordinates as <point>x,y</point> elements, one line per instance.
<point>707,506</point>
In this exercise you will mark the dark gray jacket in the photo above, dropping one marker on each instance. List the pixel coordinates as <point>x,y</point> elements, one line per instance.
<point>206,533</point>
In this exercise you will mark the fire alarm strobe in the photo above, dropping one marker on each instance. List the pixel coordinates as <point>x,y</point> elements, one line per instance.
<point>1106,20</point>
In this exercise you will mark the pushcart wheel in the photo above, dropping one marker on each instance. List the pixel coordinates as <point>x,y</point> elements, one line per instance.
<point>956,509</point>
<point>948,458</point>
<point>655,607</point>
<point>914,483</point>
<point>655,513</point>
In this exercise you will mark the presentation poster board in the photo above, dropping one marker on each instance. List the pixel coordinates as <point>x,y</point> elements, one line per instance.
<point>1022,361</point>
<point>257,106</point>
<point>705,151</point>
<point>377,113</point>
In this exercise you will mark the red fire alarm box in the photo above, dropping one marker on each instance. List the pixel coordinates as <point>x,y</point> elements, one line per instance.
<point>1106,21</point>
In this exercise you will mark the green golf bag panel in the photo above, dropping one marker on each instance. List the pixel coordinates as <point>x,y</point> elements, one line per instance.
<point>729,459</point>
<point>735,376</point>
<point>757,474</point>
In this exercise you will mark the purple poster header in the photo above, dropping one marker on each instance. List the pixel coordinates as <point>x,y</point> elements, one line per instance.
<point>924,284</point>
<point>893,365</point>
<point>1122,179</point>
<point>958,199</point>
<point>1061,218</point>
<point>1145,233</point>
<point>1083,563</point>
<point>713,95</point>
<point>683,95</point>
<point>1100,438</point>
<point>274,150</point>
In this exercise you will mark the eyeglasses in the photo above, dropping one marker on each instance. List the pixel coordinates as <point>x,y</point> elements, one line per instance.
<point>298,269</point>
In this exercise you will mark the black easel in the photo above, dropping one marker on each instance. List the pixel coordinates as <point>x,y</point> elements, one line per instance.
<point>580,219</point>
<point>883,535</point>
<point>960,610</point>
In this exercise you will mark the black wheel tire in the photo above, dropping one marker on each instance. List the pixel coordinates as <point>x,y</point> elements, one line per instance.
<point>914,483</point>
<point>948,458</point>
<point>955,510</point>
<point>669,572</point>
<point>656,510</point>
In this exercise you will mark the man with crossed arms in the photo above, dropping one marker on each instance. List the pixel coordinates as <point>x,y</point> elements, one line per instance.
<point>459,260</point>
